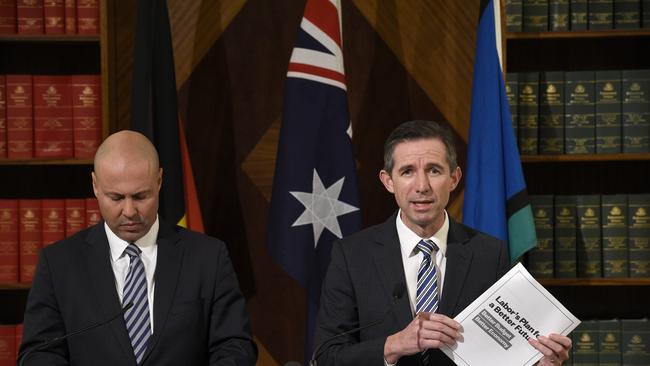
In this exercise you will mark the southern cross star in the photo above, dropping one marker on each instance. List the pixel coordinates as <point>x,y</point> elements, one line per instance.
<point>322,207</point>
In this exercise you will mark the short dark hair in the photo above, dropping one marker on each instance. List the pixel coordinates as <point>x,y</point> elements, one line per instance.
<point>416,130</point>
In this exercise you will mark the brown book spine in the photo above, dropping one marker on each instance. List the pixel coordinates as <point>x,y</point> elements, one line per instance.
<point>7,16</point>
<point>70,17</point>
<point>3,117</point>
<point>88,16</point>
<point>93,216</point>
<point>75,215</point>
<point>19,338</point>
<point>86,114</point>
<point>53,218</point>
<point>20,121</point>
<point>30,16</point>
<point>54,14</point>
<point>53,137</point>
<point>8,241</point>
<point>30,237</point>
<point>7,345</point>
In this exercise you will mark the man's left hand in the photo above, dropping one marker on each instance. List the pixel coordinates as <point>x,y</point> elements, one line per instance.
<point>555,349</point>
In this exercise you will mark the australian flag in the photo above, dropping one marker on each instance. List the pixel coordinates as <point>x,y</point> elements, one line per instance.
<point>315,198</point>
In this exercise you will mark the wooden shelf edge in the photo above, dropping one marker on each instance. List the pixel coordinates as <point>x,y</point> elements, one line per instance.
<point>585,157</point>
<point>59,38</point>
<point>594,281</point>
<point>15,286</point>
<point>46,162</point>
<point>613,33</point>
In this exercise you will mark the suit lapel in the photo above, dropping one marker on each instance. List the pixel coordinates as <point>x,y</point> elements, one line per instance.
<point>168,265</point>
<point>459,258</point>
<point>388,259</point>
<point>102,279</point>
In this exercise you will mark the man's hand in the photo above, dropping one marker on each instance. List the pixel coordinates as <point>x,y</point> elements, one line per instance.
<point>555,349</point>
<point>427,330</point>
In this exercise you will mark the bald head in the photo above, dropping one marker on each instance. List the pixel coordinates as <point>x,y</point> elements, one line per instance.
<point>125,146</point>
<point>126,181</point>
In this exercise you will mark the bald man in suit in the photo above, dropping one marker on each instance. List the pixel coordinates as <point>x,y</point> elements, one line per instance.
<point>191,310</point>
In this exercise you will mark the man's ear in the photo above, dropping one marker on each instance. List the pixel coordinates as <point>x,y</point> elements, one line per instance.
<point>159,179</point>
<point>387,181</point>
<point>455,178</point>
<point>94,178</point>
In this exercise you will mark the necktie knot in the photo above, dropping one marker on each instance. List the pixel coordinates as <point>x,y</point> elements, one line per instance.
<point>427,247</point>
<point>132,250</point>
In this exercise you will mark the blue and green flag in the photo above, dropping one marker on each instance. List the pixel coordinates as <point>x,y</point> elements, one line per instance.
<point>496,201</point>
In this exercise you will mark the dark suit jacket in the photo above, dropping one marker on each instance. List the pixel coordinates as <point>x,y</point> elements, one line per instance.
<point>199,313</point>
<point>359,286</point>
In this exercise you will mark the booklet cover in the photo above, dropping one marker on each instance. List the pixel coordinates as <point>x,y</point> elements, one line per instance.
<point>497,325</point>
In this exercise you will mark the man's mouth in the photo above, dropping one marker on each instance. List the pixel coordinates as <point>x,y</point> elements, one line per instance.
<point>422,203</point>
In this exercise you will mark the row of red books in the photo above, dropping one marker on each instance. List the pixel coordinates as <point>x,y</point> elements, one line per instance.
<point>27,225</point>
<point>50,116</point>
<point>49,16</point>
<point>10,338</point>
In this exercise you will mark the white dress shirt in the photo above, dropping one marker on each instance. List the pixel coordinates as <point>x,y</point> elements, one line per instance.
<point>120,261</point>
<point>412,257</point>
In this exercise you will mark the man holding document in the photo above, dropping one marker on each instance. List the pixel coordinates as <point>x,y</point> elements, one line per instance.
<point>410,275</point>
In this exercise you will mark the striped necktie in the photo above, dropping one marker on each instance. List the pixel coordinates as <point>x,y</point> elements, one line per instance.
<point>427,287</point>
<point>135,291</point>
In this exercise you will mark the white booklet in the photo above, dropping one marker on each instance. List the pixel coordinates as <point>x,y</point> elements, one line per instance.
<point>497,325</point>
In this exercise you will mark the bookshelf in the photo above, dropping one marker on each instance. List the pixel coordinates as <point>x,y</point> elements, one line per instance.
<point>40,178</point>
<point>583,174</point>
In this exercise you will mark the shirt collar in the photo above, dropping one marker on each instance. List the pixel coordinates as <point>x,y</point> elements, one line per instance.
<point>409,240</point>
<point>145,243</point>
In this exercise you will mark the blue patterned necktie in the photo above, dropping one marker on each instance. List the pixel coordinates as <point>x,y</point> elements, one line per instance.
<point>135,291</point>
<point>427,288</point>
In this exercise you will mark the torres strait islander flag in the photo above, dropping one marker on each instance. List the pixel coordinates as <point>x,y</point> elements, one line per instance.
<point>315,197</point>
<point>496,201</point>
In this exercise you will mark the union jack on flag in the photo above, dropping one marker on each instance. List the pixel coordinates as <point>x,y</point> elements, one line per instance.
<point>315,199</point>
<point>317,55</point>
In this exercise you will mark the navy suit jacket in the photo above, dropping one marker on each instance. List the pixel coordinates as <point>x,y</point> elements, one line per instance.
<point>360,283</point>
<point>199,312</point>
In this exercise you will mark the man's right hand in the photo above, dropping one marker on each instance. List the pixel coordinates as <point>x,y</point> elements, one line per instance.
<point>427,330</point>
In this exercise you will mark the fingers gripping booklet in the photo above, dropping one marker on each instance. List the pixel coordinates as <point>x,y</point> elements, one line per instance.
<point>497,325</point>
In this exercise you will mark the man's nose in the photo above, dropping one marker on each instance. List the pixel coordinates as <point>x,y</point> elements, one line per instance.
<point>422,183</point>
<point>129,209</point>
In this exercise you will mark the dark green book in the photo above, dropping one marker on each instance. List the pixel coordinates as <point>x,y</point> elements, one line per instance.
<point>558,15</point>
<point>635,342</point>
<point>535,15</point>
<point>540,259</point>
<point>627,14</point>
<point>564,234</point>
<point>579,12</point>
<point>514,15</point>
<point>645,13</point>
<point>608,112</point>
<point>614,234</point>
<point>601,14</point>
<point>588,241</point>
<point>528,112</point>
<point>609,342</point>
<point>638,232</point>
<point>512,92</point>
<point>585,345</point>
<point>551,112</point>
<point>636,110</point>
<point>580,121</point>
